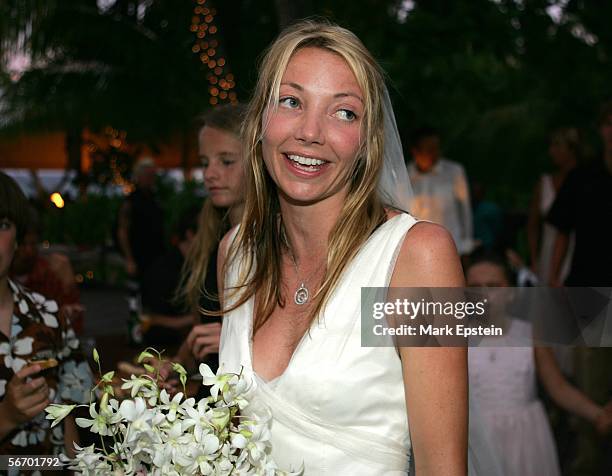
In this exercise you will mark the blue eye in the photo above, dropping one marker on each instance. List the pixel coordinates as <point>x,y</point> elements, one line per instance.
<point>289,102</point>
<point>346,115</point>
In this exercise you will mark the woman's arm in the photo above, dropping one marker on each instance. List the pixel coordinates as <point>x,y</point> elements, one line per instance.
<point>561,391</point>
<point>435,379</point>
<point>558,256</point>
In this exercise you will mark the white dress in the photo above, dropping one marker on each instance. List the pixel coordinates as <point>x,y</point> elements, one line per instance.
<point>339,408</point>
<point>503,389</point>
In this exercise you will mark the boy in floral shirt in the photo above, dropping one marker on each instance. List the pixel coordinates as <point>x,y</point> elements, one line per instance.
<point>30,331</point>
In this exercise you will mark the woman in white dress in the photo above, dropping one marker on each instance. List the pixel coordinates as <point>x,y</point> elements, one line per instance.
<point>319,224</point>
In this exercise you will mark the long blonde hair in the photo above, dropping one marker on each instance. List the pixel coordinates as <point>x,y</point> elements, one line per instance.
<point>213,222</point>
<point>259,241</point>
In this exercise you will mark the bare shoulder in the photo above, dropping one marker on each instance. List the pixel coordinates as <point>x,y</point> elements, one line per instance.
<point>428,257</point>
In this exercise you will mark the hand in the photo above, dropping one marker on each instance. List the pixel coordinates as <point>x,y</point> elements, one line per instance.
<point>204,339</point>
<point>25,398</point>
<point>130,267</point>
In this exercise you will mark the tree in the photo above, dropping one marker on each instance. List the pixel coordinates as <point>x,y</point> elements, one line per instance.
<point>129,66</point>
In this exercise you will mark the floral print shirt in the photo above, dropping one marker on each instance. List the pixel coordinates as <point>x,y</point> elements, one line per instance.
<point>38,333</point>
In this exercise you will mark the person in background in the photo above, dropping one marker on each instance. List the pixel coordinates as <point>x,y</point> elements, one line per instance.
<point>168,321</point>
<point>140,229</point>
<point>40,360</point>
<point>565,151</point>
<point>51,275</point>
<point>503,386</point>
<point>221,156</point>
<point>140,234</point>
<point>583,206</point>
<point>441,193</point>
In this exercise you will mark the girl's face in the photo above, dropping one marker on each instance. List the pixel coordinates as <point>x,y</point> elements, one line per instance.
<point>221,157</point>
<point>486,274</point>
<point>8,244</point>
<point>312,138</point>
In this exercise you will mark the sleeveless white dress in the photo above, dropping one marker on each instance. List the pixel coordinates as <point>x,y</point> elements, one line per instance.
<point>503,389</point>
<point>339,408</point>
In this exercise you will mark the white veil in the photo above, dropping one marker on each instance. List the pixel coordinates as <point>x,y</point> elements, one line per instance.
<point>395,191</point>
<point>393,184</point>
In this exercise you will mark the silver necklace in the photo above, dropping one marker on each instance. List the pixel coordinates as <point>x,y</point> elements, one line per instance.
<point>301,295</point>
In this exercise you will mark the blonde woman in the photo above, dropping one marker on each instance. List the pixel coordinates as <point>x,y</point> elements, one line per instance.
<point>320,222</point>
<point>220,152</point>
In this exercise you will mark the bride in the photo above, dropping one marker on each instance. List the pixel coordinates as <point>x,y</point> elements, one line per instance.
<point>324,187</point>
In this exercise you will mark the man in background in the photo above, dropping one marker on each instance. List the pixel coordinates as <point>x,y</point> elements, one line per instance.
<point>140,234</point>
<point>441,192</point>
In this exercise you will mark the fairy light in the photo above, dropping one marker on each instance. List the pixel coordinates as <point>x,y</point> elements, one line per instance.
<point>206,46</point>
<point>57,200</point>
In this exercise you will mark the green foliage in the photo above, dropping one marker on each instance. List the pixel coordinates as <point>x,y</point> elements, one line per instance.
<point>494,75</point>
<point>124,67</point>
<point>85,222</point>
<point>91,221</point>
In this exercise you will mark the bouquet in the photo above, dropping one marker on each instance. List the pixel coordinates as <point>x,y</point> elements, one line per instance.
<point>154,433</point>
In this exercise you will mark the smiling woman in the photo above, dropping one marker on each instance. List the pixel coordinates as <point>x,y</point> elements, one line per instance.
<point>320,224</point>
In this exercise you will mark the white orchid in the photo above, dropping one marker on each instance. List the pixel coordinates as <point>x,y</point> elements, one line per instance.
<point>216,381</point>
<point>135,383</point>
<point>57,412</point>
<point>172,405</point>
<point>154,433</point>
<point>100,423</point>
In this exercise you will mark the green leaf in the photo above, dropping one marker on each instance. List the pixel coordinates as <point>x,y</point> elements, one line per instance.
<point>149,368</point>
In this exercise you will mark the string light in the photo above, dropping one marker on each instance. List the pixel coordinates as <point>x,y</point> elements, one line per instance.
<point>220,82</point>
<point>57,200</point>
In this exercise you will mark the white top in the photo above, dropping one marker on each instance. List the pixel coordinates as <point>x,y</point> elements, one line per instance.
<point>339,408</point>
<point>442,196</point>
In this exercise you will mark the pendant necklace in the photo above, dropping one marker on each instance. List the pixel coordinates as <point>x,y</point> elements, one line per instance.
<point>302,294</point>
